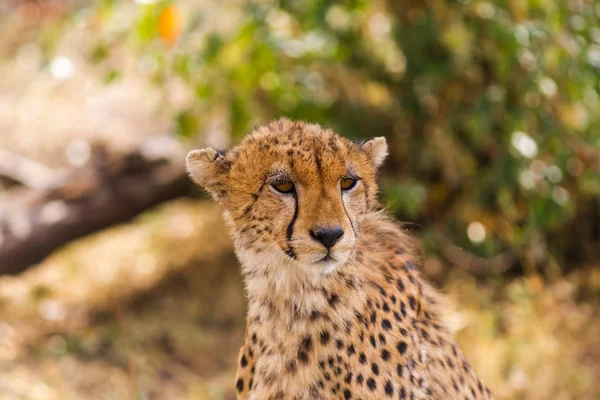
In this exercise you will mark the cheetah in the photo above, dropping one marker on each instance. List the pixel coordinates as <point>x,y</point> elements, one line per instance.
<point>337,308</point>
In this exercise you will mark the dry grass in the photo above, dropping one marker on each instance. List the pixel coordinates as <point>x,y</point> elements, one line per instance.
<point>154,308</point>
<point>532,339</point>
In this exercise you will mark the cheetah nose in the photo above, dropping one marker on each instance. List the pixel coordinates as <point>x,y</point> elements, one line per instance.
<point>327,236</point>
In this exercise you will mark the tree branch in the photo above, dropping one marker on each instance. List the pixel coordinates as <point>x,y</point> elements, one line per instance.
<point>110,189</point>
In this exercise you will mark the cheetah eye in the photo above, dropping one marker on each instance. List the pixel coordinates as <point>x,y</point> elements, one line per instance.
<point>348,183</point>
<point>283,187</point>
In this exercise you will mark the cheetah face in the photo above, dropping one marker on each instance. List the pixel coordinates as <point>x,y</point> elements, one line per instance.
<point>293,190</point>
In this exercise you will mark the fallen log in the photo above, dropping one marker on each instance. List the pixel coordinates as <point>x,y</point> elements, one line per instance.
<point>109,189</point>
<point>26,172</point>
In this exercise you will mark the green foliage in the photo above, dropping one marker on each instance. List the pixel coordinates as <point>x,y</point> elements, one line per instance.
<point>491,108</point>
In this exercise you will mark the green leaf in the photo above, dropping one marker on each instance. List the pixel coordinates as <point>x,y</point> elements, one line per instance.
<point>187,123</point>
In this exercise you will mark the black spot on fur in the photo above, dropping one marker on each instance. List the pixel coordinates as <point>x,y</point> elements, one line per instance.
<point>303,357</point>
<point>413,302</point>
<point>389,389</point>
<point>375,368</point>
<point>333,300</point>
<point>385,355</point>
<point>348,378</point>
<point>362,358</point>
<point>351,350</point>
<point>314,315</point>
<point>371,384</point>
<point>399,370</point>
<point>402,346</point>
<point>400,285</point>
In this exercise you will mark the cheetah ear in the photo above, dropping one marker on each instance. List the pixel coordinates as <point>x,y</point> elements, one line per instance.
<point>208,168</point>
<point>376,149</point>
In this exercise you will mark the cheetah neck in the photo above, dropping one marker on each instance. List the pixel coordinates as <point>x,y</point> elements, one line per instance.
<point>287,293</point>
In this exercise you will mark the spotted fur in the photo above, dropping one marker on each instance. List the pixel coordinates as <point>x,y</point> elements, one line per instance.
<point>356,321</point>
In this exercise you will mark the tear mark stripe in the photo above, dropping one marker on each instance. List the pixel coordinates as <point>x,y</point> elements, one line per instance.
<point>290,229</point>
<point>346,211</point>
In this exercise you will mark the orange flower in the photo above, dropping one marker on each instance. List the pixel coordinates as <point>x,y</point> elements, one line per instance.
<point>170,24</point>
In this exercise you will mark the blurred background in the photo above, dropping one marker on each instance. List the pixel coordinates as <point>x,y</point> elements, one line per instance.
<point>117,278</point>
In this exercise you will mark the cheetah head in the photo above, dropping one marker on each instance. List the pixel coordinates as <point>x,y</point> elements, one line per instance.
<point>293,192</point>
